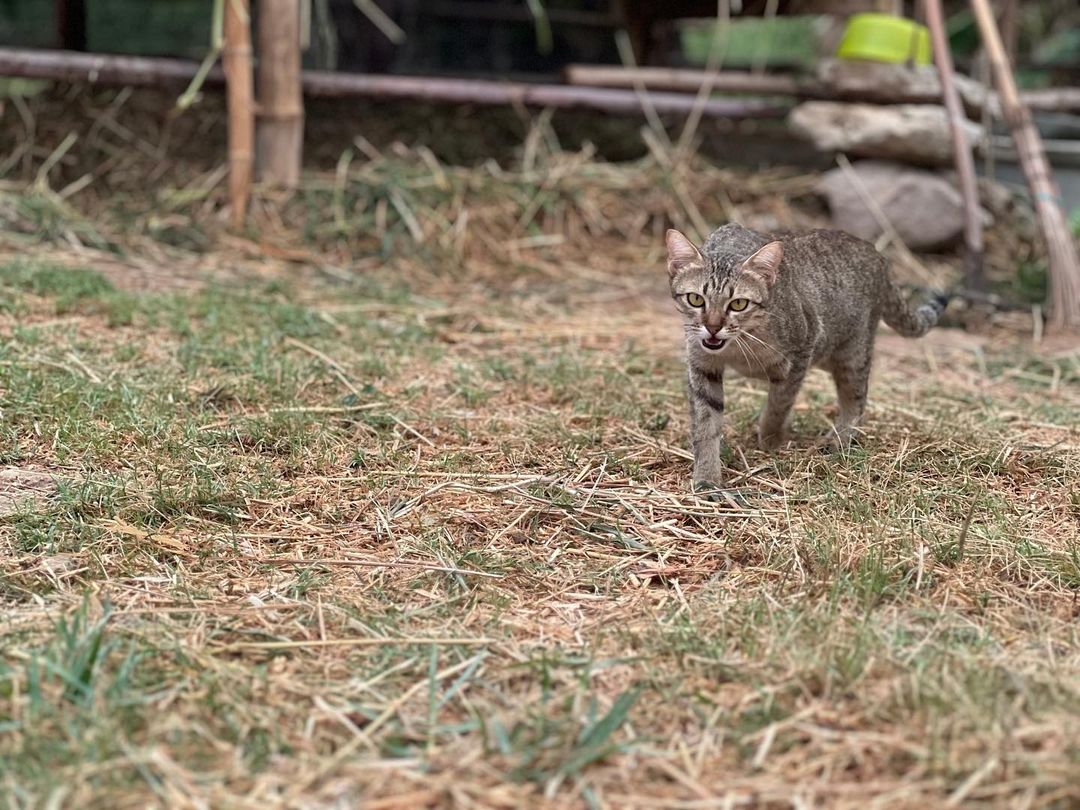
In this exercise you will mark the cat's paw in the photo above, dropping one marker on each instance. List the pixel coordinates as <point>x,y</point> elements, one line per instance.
<point>708,491</point>
<point>831,442</point>
<point>703,486</point>
<point>771,441</point>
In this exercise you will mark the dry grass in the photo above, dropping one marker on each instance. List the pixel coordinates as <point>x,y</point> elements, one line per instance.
<point>386,502</point>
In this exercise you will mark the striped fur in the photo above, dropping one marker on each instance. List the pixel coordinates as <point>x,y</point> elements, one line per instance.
<point>774,308</point>
<point>912,323</point>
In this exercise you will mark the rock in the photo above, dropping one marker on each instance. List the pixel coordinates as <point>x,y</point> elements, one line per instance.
<point>914,133</point>
<point>999,199</point>
<point>895,84</point>
<point>23,489</point>
<point>925,210</point>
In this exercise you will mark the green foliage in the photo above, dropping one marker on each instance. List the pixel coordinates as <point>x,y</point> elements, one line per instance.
<point>781,41</point>
<point>73,660</point>
<point>70,287</point>
<point>1032,281</point>
<point>1060,48</point>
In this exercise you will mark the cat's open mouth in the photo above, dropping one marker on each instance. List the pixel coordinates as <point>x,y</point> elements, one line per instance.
<point>712,344</point>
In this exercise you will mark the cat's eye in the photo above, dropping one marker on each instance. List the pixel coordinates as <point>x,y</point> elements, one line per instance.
<point>695,300</point>
<point>738,304</point>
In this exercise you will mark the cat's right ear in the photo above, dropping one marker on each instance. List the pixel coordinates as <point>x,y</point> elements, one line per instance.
<point>681,253</point>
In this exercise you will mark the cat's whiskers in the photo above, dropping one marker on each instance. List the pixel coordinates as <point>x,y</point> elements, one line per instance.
<point>765,344</point>
<point>742,348</point>
<point>752,353</point>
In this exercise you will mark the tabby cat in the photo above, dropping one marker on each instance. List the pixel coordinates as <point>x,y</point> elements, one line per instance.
<point>772,308</point>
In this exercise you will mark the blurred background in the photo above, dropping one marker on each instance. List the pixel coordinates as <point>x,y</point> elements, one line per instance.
<point>528,38</point>
<point>539,43</point>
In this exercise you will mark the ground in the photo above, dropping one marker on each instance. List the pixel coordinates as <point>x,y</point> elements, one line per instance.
<point>387,501</point>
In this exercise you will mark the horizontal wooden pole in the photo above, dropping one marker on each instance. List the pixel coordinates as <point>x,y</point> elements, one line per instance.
<point>72,66</point>
<point>687,80</point>
<point>481,91</point>
<point>690,80</point>
<point>146,71</point>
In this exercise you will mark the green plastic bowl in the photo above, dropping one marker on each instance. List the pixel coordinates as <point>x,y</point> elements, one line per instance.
<point>884,38</point>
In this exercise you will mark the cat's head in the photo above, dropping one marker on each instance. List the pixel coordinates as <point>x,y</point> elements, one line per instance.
<point>720,299</point>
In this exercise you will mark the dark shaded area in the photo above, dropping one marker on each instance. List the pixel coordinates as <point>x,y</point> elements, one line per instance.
<point>468,37</point>
<point>464,135</point>
<point>71,24</point>
<point>496,37</point>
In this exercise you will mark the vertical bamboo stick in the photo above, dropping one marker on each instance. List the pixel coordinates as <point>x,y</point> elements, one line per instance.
<point>965,163</point>
<point>1064,267</point>
<point>1010,28</point>
<point>236,60</point>
<point>280,131</point>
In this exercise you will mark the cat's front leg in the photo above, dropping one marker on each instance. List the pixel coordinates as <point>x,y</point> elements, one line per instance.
<point>706,394</point>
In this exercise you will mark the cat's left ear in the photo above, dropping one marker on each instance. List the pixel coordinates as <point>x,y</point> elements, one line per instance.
<point>766,262</point>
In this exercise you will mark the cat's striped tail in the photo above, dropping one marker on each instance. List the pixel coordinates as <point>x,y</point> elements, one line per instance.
<point>911,321</point>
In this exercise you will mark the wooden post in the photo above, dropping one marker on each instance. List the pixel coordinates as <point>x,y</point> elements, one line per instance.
<point>71,24</point>
<point>1064,264</point>
<point>280,132</point>
<point>965,163</point>
<point>1010,28</point>
<point>236,61</point>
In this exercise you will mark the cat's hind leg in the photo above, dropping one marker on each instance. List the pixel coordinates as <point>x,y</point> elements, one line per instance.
<point>851,374</point>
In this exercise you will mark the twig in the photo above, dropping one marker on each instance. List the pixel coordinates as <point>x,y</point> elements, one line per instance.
<point>348,642</point>
<point>347,750</point>
<point>714,61</point>
<point>328,360</point>
<point>961,540</point>
<point>89,372</point>
<point>369,564</point>
<point>888,231</point>
<point>387,27</point>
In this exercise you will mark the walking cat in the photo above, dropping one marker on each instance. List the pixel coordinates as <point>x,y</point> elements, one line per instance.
<point>771,309</point>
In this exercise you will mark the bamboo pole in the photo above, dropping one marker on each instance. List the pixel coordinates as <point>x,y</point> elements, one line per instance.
<point>479,91</point>
<point>236,61</point>
<point>155,72</point>
<point>1010,28</point>
<point>962,150</point>
<point>1064,263</point>
<point>690,80</point>
<point>279,134</point>
<point>113,69</point>
<point>107,69</point>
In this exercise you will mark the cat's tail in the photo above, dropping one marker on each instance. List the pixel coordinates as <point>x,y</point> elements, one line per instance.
<point>911,321</point>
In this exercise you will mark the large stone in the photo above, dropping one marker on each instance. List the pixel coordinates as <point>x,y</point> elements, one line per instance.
<point>913,133</point>
<point>925,210</point>
<point>887,83</point>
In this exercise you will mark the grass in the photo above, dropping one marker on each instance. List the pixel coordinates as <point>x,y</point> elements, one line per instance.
<point>416,530</point>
